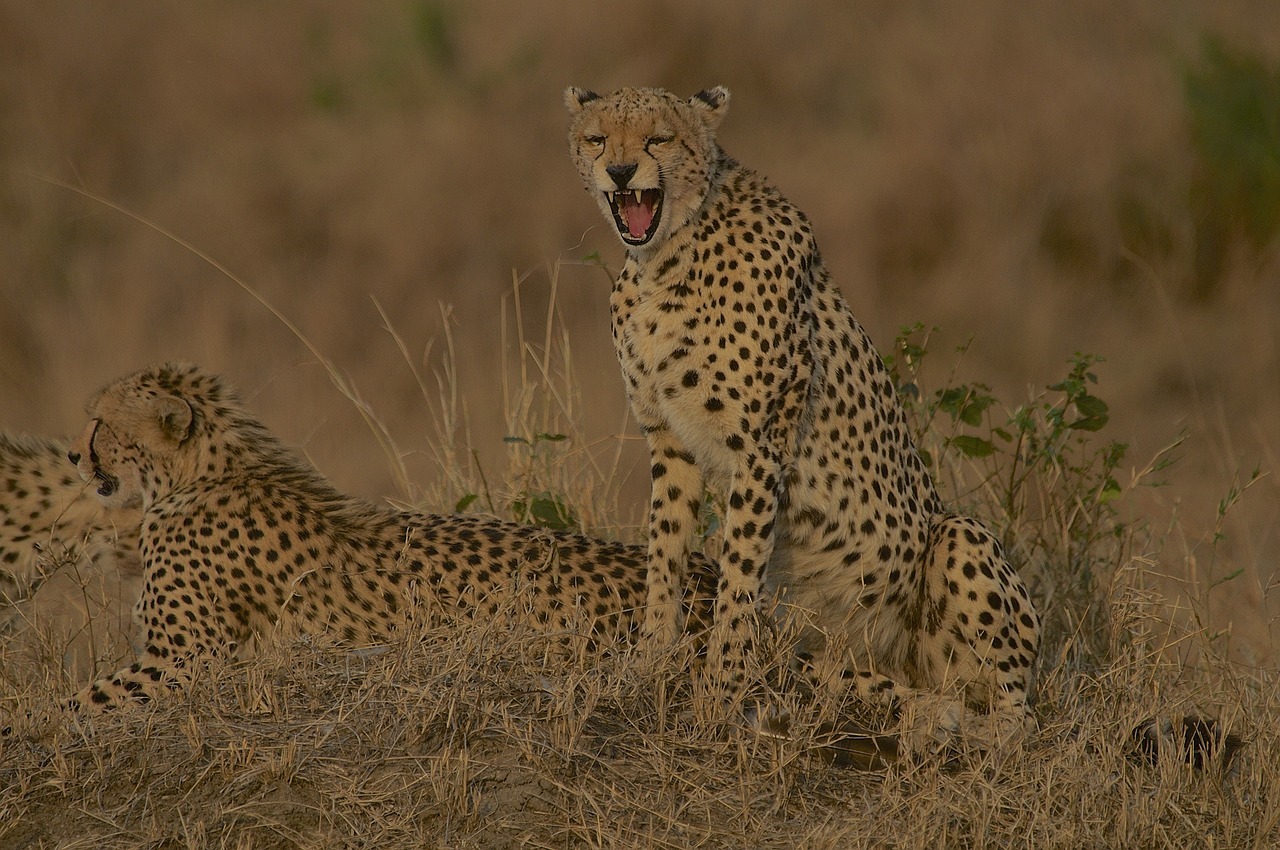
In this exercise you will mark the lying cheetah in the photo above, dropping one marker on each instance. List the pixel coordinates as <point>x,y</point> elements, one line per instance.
<point>748,373</point>
<point>240,539</point>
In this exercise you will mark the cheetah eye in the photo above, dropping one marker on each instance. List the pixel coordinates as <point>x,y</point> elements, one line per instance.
<point>594,141</point>
<point>654,141</point>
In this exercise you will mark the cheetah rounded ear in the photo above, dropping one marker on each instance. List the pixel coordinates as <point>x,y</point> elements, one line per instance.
<point>711,105</point>
<point>576,98</point>
<point>174,417</point>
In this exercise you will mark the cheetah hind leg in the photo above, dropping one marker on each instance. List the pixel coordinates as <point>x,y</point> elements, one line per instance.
<point>979,630</point>
<point>927,724</point>
<point>923,724</point>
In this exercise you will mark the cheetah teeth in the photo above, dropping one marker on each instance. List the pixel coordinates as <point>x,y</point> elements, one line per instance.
<point>636,195</point>
<point>636,212</point>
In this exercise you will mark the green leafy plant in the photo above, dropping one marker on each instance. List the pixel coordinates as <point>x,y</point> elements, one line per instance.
<point>1233,106</point>
<point>537,506</point>
<point>1042,463</point>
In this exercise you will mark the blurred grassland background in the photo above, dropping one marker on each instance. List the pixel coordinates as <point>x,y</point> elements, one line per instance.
<point>1035,179</point>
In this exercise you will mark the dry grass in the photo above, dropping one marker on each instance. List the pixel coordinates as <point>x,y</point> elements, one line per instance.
<point>485,737</point>
<point>488,735</point>
<point>379,189</point>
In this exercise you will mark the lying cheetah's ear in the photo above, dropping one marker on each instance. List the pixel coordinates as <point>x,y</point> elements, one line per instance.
<point>174,417</point>
<point>711,105</point>
<point>576,98</point>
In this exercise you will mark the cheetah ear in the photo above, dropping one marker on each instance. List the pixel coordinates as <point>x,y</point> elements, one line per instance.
<point>711,105</point>
<point>174,417</point>
<point>576,98</point>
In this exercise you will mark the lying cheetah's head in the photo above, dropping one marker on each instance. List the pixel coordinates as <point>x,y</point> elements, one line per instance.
<point>141,432</point>
<point>646,155</point>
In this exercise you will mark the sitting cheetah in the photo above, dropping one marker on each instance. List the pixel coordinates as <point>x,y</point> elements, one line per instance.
<point>240,538</point>
<point>748,373</point>
<point>69,567</point>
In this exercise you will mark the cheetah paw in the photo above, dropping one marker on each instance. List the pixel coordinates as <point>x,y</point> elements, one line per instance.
<point>930,724</point>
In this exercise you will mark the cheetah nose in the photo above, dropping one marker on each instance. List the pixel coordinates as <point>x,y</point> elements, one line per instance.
<point>621,173</point>
<point>74,457</point>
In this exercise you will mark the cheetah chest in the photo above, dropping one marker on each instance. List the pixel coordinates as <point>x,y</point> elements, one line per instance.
<point>665,341</point>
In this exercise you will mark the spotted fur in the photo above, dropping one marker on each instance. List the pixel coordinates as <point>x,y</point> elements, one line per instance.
<point>748,373</point>
<point>48,518</point>
<point>240,539</point>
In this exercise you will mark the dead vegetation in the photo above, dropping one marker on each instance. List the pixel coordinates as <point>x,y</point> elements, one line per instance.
<point>492,736</point>
<point>1032,161</point>
<point>489,737</point>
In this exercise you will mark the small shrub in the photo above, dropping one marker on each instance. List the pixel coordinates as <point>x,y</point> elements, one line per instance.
<point>1039,472</point>
<point>1233,105</point>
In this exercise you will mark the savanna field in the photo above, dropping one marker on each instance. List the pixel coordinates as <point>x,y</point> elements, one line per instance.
<point>1060,223</point>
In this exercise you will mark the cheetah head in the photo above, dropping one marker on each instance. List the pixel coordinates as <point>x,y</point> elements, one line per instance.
<point>646,155</point>
<point>138,428</point>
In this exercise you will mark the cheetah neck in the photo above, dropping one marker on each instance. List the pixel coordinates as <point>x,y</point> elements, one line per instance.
<point>247,466</point>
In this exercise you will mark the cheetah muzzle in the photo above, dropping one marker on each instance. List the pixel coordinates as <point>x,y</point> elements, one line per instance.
<point>108,485</point>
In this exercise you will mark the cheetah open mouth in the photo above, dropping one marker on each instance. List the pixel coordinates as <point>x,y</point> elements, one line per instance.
<point>636,212</point>
<point>109,483</point>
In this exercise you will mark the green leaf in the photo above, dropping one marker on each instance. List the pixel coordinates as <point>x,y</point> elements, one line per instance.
<point>1090,423</point>
<point>952,397</point>
<point>972,446</point>
<point>1226,578</point>
<point>965,403</point>
<point>1091,406</point>
<point>465,502</point>
<point>972,412</point>
<point>546,510</point>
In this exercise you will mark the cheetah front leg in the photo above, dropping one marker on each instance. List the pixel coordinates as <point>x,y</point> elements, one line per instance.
<point>750,515</point>
<point>142,681</point>
<point>673,515</point>
<point>176,636</point>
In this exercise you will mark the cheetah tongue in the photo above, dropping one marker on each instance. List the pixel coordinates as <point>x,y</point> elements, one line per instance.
<point>637,212</point>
